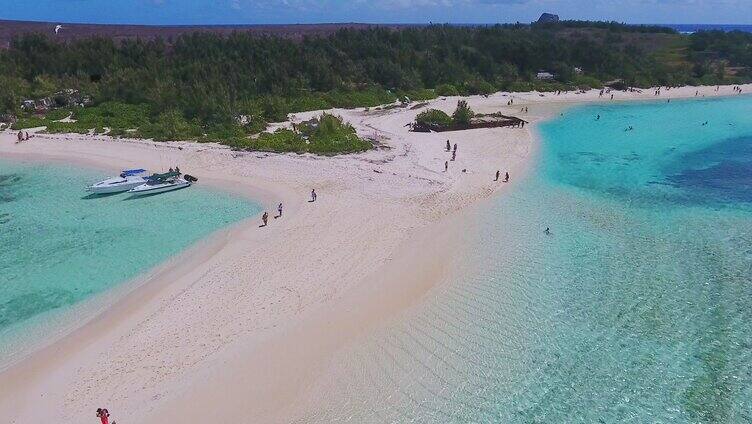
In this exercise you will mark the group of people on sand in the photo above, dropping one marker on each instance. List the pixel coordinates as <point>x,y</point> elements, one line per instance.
<point>605,91</point>
<point>22,136</point>
<point>506,176</point>
<point>449,148</point>
<point>737,89</point>
<point>265,216</point>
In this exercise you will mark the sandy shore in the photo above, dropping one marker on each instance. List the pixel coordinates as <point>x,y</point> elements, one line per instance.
<point>243,323</point>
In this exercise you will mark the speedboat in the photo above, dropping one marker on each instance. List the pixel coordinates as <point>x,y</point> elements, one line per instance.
<point>127,180</point>
<point>160,183</point>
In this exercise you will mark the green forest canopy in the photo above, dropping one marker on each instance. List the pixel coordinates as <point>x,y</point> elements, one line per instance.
<point>200,83</point>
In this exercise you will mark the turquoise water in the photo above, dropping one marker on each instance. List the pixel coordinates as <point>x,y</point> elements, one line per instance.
<point>637,308</point>
<point>60,247</point>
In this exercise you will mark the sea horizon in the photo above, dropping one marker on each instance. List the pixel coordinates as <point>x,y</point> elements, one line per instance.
<point>684,28</point>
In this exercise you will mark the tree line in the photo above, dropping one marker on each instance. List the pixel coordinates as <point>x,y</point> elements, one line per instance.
<point>203,82</point>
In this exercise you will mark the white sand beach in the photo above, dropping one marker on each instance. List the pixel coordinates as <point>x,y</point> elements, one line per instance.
<point>243,324</point>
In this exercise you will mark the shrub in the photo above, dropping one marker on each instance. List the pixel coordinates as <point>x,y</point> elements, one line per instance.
<point>57,114</point>
<point>170,125</point>
<point>586,81</point>
<point>520,86</point>
<point>30,121</point>
<point>332,136</point>
<point>479,86</point>
<point>463,114</point>
<point>447,90</point>
<point>419,95</point>
<point>368,97</point>
<point>325,135</point>
<point>282,140</point>
<point>433,117</point>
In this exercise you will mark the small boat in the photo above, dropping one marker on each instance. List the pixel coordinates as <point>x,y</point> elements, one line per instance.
<point>160,183</point>
<point>127,180</point>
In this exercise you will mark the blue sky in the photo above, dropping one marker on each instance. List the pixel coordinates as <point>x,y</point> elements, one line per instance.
<point>379,11</point>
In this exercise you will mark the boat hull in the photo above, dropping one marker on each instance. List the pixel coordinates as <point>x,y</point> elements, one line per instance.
<point>145,189</point>
<point>117,187</point>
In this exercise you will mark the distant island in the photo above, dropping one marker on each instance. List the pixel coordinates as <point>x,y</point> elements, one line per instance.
<point>226,85</point>
<point>548,18</point>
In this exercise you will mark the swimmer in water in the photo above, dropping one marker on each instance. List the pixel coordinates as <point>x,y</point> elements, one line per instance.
<point>547,231</point>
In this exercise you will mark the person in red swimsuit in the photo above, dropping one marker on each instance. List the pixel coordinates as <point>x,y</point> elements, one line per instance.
<point>103,415</point>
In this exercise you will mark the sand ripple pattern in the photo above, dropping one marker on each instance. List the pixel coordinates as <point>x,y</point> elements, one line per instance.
<point>614,318</point>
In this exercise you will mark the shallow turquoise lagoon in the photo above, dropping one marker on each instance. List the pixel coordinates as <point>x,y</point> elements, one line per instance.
<point>59,247</point>
<point>637,308</point>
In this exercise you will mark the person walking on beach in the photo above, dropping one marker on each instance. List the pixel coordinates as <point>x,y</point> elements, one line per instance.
<point>279,211</point>
<point>497,176</point>
<point>454,155</point>
<point>26,135</point>
<point>449,146</point>
<point>506,177</point>
<point>446,166</point>
<point>313,195</point>
<point>265,218</point>
<point>20,137</point>
<point>103,415</point>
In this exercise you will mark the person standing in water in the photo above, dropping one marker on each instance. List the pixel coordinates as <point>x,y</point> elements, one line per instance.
<point>497,176</point>
<point>313,195</point>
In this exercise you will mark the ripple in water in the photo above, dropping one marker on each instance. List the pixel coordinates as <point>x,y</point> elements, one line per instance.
<point>636,309</point>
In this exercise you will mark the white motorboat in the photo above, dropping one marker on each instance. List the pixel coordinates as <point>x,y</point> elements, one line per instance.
<point>160,183</point>
<point>127,180</point>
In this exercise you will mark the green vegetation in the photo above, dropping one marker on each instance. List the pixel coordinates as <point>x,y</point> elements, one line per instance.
<point>447,90</point>
<point>433,118</point>
<point>325,135</point>
<point>436,120</point>
<point>462,115</point>
<point>205,86</point>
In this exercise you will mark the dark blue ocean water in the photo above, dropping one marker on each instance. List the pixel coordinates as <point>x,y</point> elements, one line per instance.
<point>689,28</point>
<point>721,172</point>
